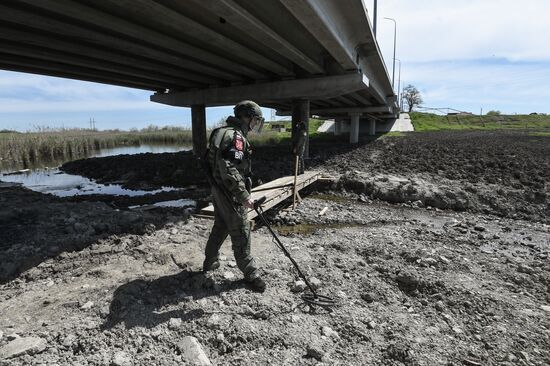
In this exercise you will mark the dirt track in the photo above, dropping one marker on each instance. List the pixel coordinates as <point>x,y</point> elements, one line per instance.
<point>416,285</point>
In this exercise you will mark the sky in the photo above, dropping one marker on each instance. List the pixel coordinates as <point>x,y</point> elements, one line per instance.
<point>469,55</point>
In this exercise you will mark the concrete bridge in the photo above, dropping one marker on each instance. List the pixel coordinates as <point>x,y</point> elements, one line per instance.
<point>301,57</point>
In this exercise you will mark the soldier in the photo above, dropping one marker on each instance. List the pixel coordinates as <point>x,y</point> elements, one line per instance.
<point>229,162</point>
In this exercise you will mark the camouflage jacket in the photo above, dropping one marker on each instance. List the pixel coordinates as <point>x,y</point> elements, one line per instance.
<point>229,155</point>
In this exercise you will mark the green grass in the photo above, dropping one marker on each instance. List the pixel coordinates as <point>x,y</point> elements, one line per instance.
<point>540,133</point>
<point>432,122</point>
<point>395,134</point>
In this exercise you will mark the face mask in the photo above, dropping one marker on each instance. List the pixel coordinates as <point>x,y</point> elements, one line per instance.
<point>258,127</point>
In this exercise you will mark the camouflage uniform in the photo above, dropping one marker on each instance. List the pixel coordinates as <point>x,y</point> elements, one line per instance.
<point>229,159</point>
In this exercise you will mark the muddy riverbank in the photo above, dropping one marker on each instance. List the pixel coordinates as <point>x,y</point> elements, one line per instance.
<point>421,277</point>
<point>506,173</point>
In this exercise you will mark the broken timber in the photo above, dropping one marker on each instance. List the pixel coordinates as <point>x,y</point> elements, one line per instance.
<point>275,191</point>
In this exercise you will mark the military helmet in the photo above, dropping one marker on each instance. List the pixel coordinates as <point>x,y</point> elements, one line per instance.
<point>248,108</point>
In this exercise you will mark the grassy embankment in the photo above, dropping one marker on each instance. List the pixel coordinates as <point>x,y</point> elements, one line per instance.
<point>271,137</point>
<point>432,122</point>
<point>27,149</point>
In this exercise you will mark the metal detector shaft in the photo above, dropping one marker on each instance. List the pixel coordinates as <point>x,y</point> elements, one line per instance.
<point>282,247</point>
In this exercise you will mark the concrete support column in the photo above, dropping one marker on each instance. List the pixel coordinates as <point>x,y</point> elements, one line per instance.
<point>300,113</point>
<point>198,125</point>
<point>372,127</point>
<point>354,129</point>
<point>338,122</point>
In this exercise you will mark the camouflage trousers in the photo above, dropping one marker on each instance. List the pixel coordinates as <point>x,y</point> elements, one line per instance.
<point>236,225</point>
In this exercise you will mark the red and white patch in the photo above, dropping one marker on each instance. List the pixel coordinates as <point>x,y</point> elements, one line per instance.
<point>239,143</point>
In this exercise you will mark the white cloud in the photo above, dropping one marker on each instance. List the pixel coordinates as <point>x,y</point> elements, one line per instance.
<point>431,30</point>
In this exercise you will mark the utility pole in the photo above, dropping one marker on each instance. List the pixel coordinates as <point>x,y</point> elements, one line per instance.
<point>375,16</point>
<point>399,80</point>
<point>394,47</point>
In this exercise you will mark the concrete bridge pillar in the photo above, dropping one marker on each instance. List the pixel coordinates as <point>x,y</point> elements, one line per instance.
<point>198,125</point>
<point>354,128</point>
<point>372,127</point>
<point>300,113</point>
<point>338,122</point>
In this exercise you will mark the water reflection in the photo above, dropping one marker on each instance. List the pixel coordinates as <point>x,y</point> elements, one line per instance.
<point>156,149</point>
<point>6,167</point>
<point>55,182</point>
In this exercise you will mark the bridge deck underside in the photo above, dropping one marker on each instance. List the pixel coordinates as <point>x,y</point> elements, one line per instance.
<point>170,46</point>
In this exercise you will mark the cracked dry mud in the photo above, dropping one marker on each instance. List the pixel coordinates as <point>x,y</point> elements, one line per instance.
<point>415,284</point>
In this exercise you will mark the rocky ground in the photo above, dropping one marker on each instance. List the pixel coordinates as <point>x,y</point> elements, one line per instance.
<point>419,280</point>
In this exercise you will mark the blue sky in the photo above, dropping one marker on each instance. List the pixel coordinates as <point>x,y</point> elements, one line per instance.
<point>466,55</point>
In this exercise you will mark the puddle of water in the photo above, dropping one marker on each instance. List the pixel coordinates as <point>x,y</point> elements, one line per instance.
<point>55,182</point>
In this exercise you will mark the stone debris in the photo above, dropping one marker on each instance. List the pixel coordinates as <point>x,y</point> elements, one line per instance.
<point>228,275</point>
<point>299,286</point>
<point>122,358</point>
<point>174,323</point>
<point>22,346</point>
<point>315,283</point>
<point>192,352</point>
<point>368,297</point>
<point>316,351</point>
<point>329,332</point>
<point>87,305</point>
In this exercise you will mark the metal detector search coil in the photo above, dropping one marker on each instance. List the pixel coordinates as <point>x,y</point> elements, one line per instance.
<point>313,298</point>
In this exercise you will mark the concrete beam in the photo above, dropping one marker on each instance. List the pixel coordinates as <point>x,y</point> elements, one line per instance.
<point>314,88</point>
<point>241,18</point>
<point>116,43</point>
<point>198,125</point>
<point>338,126</point>
<point>91,63</point>
<point>320,19</point>
<point>372,127</point>
<point>30,41</point>
<point>354,128</point>
<point>248,59</point>
<point>300,113</point>
<point>341,111</point>
<point>60,69</point>
<point>40,70</point>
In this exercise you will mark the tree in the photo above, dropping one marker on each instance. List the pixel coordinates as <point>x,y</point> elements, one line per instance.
<point>412,96</point>
<point>493,113</point>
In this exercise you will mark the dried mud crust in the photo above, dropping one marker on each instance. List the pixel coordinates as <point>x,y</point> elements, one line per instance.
<point>505,172</point>
<point>415,287</point>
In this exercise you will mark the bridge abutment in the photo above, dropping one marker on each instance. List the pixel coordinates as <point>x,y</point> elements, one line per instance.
<point>372,127</point>
<point>354,128</point>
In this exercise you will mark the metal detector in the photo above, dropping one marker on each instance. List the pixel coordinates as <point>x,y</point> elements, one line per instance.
<point>313,298</point>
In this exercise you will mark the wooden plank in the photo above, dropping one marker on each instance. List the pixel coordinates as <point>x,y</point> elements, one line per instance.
<point>276,195</point>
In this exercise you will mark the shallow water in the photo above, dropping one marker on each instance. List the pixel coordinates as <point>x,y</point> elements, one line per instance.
<point>53,181</point>
<point>7,167</point>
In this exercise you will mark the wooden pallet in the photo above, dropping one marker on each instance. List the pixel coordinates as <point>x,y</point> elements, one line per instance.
<point>276,194</point>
